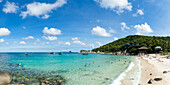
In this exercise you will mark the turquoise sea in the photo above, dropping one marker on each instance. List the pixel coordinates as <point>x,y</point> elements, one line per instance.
<point>77,69</point>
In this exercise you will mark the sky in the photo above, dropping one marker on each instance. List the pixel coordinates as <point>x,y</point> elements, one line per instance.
<point>64,25</point>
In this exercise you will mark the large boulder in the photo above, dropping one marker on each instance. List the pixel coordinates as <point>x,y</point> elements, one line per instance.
<point>5,77</point>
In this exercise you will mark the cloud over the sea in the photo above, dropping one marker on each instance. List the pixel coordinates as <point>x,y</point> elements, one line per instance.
<point>51,31</point>
<point>116,5</point>
<point>139,12</point>
<point>50,38</point>
<point>41,10</point>
<point>22,43</point>
<point>4,31</point>
<point>99,31</point>
<point>124,26</point>
<point>10,7</point>
<point>77,41</point>
<point>29,37</point>
<point>2,40</point>
<point>143,29</point>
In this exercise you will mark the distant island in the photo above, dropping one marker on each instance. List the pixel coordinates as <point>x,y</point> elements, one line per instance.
<point>134,44</point>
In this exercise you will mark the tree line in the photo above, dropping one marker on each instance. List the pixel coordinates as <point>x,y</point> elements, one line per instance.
<point>131,44</point>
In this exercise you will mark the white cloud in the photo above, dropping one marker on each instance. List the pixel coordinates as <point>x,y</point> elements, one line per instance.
<point>45,16</point>
<point>51,31</point>
<point>51,38</point>
<point>39,42</point>
<point>138,33</point>
<point>64,43</point>
<point>67,43</point>
<point>124,26</point>
<point>77,41</point>
<point>100,32</point>
<point>10,7</point>
<point>76,38</point>
<point>4,31</point>
<point>2,40</point>
<point>143,28</point>
<point>29,37</point>
<point>22,43</point>
<point>116,5</point>
<point>99,43</point>
<point>115,38</point>
<point>139,12</point>
<point>41,10</point>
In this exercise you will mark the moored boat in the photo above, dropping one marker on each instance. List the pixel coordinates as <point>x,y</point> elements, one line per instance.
<point>60,53</point>
<point>52,53</point>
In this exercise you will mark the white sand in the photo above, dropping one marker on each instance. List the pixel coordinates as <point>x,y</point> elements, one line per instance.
<point>156,67</point>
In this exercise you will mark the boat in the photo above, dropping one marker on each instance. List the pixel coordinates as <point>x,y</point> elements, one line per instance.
<point>70,51</point>
<point>26,53</point>
<point>52,53</point>
<point>60,53</point>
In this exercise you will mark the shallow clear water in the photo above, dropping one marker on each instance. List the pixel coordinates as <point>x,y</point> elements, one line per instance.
<point>92,69</point>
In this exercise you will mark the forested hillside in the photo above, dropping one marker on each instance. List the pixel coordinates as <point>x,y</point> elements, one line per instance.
<point>132,42</point>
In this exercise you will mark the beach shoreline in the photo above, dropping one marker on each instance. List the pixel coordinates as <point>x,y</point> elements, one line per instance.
<point>154,66</point>
<point>150,66</point>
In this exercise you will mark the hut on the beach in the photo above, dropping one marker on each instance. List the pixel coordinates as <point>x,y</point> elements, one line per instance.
<point>143,49</point>
<point>158,49</point>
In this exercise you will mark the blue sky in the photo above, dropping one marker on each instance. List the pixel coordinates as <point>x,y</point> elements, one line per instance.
<point>63,25</point>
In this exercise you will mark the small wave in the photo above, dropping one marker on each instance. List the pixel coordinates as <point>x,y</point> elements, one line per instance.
<point>138,73</point>
<point>117,81</point>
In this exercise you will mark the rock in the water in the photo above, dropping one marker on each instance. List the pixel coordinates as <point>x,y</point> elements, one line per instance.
<point>165,72</point>
<point>106,78</point>
<point>5,77</point>
<point>60,81</point>
<point>42,83</point>
<point>157,79</point>
<point>150,81</point>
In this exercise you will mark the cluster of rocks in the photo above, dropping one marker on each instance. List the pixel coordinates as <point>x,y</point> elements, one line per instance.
<point>155,79</point>
<point>5,77</point>
<point>32,77</point>
<point>58,80</point>
<point>35,79</point>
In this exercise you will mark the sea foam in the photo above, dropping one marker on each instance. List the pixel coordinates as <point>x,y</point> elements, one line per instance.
<point>138,72</point>
<point>117,81</point>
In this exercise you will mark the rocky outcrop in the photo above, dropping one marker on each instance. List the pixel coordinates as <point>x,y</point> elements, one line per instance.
<point>5,77</point>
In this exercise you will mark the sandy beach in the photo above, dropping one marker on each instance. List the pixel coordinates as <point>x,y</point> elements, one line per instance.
<point>154,68</point>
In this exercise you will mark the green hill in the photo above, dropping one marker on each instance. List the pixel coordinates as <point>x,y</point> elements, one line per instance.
<point>131,44</point>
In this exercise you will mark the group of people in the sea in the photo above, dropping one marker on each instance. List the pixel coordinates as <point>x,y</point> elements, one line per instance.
<point>86,65</point>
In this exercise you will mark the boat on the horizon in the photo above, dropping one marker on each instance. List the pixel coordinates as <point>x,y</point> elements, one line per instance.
<point>26,53</point>
<point>60,53</point>
<point>70,51</point>
<point>52,52</point>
